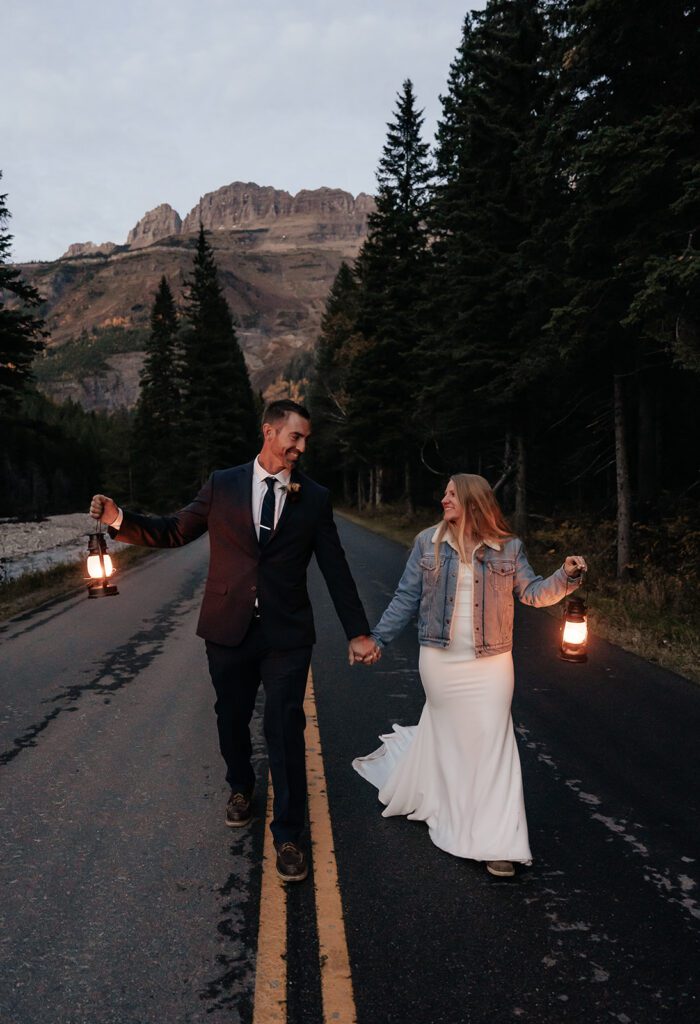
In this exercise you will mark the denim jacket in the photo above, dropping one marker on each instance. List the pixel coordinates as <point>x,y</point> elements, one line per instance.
<point>500,571</point>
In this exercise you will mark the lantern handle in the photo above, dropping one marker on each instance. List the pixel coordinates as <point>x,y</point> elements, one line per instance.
<point>583,575</point>
<point>96,526</point>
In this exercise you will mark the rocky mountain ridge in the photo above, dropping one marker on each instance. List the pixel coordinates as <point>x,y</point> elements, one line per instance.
<point>277,256</point>
<point>154,225</point>
<point>235,206</point>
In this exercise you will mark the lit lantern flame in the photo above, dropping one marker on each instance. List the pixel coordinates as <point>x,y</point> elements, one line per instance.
<point>99,567</point>
<point>574,634</point>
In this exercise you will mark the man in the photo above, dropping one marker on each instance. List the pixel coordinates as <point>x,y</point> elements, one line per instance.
<point>265,520</point>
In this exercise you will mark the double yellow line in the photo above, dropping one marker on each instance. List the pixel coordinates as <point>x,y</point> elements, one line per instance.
<point>270,1005</point>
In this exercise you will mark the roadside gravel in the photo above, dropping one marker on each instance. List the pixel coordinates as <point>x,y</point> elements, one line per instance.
<point>28,547</point>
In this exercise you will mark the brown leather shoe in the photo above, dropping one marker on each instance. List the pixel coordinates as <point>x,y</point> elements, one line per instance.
<point>292,864</point>
<point>500,868</point>
<point>238,809</point>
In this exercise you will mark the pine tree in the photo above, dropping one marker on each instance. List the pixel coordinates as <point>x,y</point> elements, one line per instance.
<point>156,430</point>
<point>392,269</point>
<point>483,214</point>
<point>338,344</point>
<point>21,331</point>
<point>219,415</point>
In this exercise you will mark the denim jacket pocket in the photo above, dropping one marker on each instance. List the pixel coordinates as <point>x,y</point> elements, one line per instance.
<point>429,562</point>
<point>431,570</point>
<point>502,573</point>
<point>432,583</point>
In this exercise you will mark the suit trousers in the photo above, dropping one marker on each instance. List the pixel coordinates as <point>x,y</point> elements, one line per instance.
<point>236,673</point>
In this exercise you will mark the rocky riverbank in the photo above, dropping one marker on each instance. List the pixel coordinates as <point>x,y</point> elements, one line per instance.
<point>34,546</point>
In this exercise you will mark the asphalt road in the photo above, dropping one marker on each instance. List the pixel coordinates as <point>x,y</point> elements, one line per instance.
<point>125,899</point>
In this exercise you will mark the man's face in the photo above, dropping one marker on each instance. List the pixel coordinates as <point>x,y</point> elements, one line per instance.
<point>285,441</point>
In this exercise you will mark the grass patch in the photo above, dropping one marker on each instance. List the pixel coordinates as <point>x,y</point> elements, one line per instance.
<point>35,588</point>
<point>655,615</point>
<point>88,353</point>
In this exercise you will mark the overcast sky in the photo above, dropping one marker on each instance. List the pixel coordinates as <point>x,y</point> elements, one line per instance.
<point>110,108</point>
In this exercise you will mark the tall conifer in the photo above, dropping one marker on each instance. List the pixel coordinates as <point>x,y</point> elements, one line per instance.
<point>338,344</point>
<point>392,270</point>
<point>219,417</point>
<point>21,330</point>
<point>482,215</point>
<point>156,440</point>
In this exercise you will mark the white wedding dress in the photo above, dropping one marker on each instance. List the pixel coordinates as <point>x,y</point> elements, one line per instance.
<point>458,769</point>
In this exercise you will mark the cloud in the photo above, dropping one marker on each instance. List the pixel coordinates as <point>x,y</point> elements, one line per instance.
<point>119,107</point>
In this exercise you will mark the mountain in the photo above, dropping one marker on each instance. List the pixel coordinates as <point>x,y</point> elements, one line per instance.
<point>277,255</point>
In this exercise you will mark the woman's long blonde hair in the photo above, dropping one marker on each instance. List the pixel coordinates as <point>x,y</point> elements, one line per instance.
<point>483,519</point>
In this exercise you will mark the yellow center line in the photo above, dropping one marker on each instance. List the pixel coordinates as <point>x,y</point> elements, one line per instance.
<point>270,1004</point>
<point>336,980</point>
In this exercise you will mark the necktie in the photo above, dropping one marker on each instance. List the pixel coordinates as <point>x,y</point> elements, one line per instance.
<point>267,515</point>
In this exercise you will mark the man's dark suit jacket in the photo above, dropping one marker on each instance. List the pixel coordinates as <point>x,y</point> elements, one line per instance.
<point>241,572</point>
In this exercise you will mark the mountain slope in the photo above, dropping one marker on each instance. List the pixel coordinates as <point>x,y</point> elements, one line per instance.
<point>277,256</point>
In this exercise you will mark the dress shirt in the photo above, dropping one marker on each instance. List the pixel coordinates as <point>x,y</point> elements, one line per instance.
<point>260,475</point>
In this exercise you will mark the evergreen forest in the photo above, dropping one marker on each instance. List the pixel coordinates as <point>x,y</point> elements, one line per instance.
<point>527,303</point>
<point>526,306</point>
<point>196,410</point>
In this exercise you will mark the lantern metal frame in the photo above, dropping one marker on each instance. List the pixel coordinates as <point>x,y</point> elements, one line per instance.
<point>101,587</point>
<point>574,611</point>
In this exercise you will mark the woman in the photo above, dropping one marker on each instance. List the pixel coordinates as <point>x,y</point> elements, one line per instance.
<point>458,769</point>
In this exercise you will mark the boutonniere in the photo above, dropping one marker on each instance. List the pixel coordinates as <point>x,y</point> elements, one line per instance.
<point>293,492</point>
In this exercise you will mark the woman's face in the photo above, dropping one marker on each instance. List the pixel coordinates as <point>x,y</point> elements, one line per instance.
<point>452,509</point>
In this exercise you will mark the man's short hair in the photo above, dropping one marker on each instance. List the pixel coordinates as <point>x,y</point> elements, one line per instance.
<point>280,410</point>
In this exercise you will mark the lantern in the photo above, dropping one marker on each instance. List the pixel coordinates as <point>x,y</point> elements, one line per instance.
<point>99,567</point>
<point>574,634</point>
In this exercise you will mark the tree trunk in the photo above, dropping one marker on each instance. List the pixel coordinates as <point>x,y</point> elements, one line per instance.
<point>520,517</point>
<point>408,489</point>
<point>360,490</point>
<point>347,493</point>
<point>372,494</point>
<point>379,486</point>
<point>623,484</point>
<point>647,467</point>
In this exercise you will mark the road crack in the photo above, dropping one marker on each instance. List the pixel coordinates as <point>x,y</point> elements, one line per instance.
<point>117,670</point>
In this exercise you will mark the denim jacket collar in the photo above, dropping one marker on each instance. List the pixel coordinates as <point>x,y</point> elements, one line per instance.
<point>492,544</point>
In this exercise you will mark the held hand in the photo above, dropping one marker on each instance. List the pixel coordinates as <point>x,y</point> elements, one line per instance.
<point>373,657</point>
<point>104,509</point>
<point>574,565</point>
<point>363,649</point>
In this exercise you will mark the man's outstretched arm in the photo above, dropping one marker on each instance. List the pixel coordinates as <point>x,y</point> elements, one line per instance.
<point>341,586</point>
<point>171,531</point>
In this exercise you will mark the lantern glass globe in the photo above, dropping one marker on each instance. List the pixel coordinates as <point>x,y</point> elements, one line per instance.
<point>94,567</point>
<point>575,632</point>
